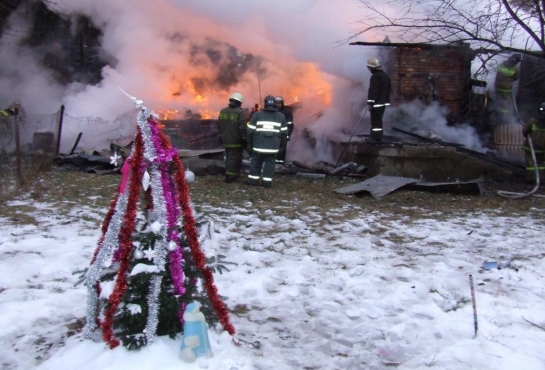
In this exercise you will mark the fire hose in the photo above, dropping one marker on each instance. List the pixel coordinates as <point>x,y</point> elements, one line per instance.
<point>515,195</point>
<point>350,139</point>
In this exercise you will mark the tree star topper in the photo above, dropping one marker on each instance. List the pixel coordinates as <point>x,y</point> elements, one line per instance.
<point>115,159</point>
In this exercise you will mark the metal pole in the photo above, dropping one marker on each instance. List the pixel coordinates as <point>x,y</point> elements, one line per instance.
<point>353,132</point>
<point>259,87</point>
<point>476,326</point>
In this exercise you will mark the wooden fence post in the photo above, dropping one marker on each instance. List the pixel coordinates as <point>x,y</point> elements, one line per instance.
<point>60,131</point>
<point>19,171</point>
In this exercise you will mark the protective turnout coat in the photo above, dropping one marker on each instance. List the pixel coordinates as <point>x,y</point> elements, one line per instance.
<point>379,89</point>
<point>506,75</point>
<point>535,129</point>
<point>232,127</point>
<point>266,131</point>
<point>289,118</point>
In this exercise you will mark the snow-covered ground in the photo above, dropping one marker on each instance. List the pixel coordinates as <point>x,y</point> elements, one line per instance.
<point>349,289</point>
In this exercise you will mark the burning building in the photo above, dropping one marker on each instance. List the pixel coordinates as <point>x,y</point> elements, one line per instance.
<point>427,78</point>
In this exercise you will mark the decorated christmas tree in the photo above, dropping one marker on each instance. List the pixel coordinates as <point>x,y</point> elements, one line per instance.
<point>146,270</point>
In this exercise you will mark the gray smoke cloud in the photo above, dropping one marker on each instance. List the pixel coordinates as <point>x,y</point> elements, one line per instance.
<point>177,55</point>
<point>181,55</point>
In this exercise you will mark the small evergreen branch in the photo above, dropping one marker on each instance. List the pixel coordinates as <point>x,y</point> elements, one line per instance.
<point>217,263</point>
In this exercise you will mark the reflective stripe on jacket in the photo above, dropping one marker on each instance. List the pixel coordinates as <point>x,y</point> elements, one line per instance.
<point>536,128</point>
<point>266,131</point>
<point>379,89</point>
<point>505,77</point>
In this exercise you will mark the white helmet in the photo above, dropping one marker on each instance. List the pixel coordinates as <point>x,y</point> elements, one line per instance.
<point>238,97</point>
<point>373,63</point>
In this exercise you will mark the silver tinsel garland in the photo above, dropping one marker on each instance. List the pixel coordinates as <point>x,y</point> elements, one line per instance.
<point>159,208</point>
<point>149,150</point>
<point>103,259</point>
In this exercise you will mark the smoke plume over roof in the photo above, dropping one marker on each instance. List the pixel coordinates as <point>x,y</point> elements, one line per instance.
<point>192,55</point>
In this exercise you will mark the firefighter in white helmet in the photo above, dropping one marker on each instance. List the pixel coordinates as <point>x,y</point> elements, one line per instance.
<point>232,130</point>
<point>378,97</point>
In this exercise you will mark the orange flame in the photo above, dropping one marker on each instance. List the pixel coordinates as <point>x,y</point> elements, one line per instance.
<point>167,114</point>
<point>308,83</point>
<point>302,83</point>
<point>208,114</point>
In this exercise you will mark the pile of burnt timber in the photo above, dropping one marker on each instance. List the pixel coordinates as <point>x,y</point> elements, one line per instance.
<point>90,163</point>
<point>321,169</point>
<point>201,162</point>
<point>193,133</point>
<point>489,157</point>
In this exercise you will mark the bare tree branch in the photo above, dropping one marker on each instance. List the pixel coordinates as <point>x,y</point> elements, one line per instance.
<point>534,324</point>
<point>501,25</point>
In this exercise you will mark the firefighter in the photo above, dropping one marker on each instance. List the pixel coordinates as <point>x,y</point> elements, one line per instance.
<point>12,110</point>
<point>535,129</point>
<point>281,157</point>
<point>378,97</point>
<point>267,132</point>
<point>8,112</point>
<point>232,130</point>
<point>508,72</point>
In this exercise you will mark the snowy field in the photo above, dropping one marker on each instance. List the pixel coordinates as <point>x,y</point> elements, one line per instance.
<point>351,288</point>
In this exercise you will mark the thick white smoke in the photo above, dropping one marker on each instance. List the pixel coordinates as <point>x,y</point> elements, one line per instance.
<point>175,54</point>
<point>155,45</point>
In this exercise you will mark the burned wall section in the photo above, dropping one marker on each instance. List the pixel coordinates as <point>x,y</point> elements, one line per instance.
<point>194,134</point>
<point>433,73</point>
<point>531,86</point>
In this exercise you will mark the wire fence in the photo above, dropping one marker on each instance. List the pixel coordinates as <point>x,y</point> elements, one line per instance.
<point>40,133</point>
<point>62,133</point>
<point>94,135</point>
<point>29,143</point>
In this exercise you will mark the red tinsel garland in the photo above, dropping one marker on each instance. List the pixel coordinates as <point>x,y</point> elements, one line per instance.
<point>125,242</point>
<point>104,229</point>
<point>191,233</point>
<point>105,225</point>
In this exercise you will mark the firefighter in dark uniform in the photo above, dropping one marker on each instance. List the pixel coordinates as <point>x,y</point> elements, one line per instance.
<point>508,72</point>
<point>11,111</point>
<point>281,157</point>
<point>232,129</point>
<point>378,97</point>
<point>535,129</point>
<point>266,132</point>
<point>6,125</point>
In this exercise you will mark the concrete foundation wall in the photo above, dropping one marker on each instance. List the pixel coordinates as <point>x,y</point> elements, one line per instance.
<point>428,163</point>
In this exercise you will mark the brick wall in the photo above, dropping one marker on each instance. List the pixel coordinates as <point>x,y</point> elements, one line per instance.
<point>431,72</point>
